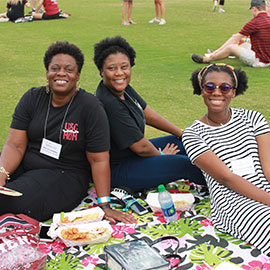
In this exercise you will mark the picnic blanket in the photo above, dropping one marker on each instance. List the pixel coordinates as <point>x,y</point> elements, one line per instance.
<point>201,245</point>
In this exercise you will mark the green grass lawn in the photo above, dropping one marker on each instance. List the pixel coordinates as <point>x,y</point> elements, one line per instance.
<point>163,64</point>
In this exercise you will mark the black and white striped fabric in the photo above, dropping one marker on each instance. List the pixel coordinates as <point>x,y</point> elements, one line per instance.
<point>231,212</point>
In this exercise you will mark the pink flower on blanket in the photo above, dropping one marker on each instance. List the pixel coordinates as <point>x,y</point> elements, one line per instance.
<point>56,246</point>
<point>206,222</point>
<point>256,265</point>
<point>93,193</point>
<point>89,260</point>
<point>120,231</point>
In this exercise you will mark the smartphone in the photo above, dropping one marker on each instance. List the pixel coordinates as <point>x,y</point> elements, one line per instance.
<point>43,233</point>
<point>135,206</point>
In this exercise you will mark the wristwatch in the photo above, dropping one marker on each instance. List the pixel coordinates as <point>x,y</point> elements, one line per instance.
<point>105,206</point>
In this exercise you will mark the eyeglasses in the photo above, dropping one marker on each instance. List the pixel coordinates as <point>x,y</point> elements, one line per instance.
<point>224,88</point>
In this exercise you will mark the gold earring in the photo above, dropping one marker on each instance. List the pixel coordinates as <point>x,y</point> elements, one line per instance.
<point>78,86</point>
<point>48,89</point>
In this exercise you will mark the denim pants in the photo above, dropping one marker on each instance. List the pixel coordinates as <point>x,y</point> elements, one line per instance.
<point>140,173</point>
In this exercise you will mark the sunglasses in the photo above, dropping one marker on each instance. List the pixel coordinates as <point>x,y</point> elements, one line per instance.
<point>224,88</point>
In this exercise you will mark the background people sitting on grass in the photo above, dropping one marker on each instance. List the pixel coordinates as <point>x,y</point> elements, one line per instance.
<point>258,30</point>
<point>15,9</point>
<point>231,147</point>
<point>57,143</point>
<point>137,162</point>
<point>51,11</point>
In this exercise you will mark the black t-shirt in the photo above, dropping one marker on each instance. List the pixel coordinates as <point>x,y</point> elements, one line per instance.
<point>16,11</point>
<point>126,119</point>
<point>85,128</point>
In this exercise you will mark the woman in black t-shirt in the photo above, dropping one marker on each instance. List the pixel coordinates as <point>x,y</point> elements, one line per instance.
<point>15,9</point>
<point>137,162</point>
<point>58,142</point>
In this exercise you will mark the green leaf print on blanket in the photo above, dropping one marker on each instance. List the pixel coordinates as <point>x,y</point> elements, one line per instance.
<point>64,261</point>
<point>178,229</point>
<point>203,207</point>
<point>209,255</point>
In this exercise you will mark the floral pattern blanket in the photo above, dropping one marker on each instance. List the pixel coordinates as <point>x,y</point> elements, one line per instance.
<point>201,245</point>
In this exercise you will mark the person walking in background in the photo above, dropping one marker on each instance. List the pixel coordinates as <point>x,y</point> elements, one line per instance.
<point>15,9</point>
<point>159,9</point>
<point>221,4</point>
<point>127,8</point>
<point>258,29</point>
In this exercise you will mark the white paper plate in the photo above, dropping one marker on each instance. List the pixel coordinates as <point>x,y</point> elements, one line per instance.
<point>97,213</point>
<point>90,227</point>
<point>152,200</point>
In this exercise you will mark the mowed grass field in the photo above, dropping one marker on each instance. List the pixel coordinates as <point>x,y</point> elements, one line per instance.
<point>163,64</point>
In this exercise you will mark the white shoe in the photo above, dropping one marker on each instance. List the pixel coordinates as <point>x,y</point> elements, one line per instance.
<point>162,22</point>
<point>221,10</point>
<point>154,20</point>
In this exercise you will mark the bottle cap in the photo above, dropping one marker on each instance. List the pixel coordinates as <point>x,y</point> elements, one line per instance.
<point>161,188</point>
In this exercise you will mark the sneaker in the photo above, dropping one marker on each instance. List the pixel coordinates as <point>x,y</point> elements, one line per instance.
<point>162,22</point>
<point>125,23</point>
<point>221,10</point>
<point>155,20</point>
<point>4,19</point>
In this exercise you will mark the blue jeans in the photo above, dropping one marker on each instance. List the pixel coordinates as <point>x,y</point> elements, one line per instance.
<point>139,173</point>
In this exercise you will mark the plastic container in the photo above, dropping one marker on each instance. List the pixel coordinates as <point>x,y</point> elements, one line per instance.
<point>167,205</point>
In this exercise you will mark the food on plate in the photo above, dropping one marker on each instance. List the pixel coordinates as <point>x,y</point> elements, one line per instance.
<point>91,216</point>
<point>181,203</point>
<point>73,234</point>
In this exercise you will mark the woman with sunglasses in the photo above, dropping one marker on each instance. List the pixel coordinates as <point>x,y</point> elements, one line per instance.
<point>231,147</point>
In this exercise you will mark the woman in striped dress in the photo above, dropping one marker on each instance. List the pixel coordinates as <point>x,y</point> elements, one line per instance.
<point>231,147</point>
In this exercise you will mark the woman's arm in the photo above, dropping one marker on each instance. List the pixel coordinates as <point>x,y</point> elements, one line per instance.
<point>264,153</point>
<point>13,152</point>
<point>212,165</point>
<point>144,148</point>
<point>157,121</point>
<point>100,169</point>
<point>40,3</point>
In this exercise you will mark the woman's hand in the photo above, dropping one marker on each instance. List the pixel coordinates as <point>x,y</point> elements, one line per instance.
<point>113,215</point>
<point>170,149</point>
<point>2,180</point>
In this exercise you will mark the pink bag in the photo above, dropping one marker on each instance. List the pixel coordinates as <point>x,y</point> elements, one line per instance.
<point>19,238</point>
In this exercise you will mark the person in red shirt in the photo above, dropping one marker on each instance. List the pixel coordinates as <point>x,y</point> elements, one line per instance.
<point>258,29</point>
<point>52,11</point>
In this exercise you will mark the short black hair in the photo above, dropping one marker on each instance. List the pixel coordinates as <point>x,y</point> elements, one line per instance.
<point>112,45</point>
<point>66,48</point>
<point>240,85</point>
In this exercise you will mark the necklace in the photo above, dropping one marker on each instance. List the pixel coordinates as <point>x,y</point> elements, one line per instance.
<point>219,123</point>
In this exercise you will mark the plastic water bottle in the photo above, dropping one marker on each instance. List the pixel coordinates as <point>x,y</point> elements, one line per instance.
<point>167,205</point>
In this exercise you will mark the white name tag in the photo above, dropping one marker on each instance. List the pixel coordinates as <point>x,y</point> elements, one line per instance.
<point>50,148</point>
<point>243,166</point>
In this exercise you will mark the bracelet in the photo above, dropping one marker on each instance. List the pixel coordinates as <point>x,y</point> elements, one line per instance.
<point>3,170</point>
<point>105,206</point>
<point>161,153</point>
<point>103,199</point>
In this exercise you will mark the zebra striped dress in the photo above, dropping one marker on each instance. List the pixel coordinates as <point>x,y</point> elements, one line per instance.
<point>231,212</point>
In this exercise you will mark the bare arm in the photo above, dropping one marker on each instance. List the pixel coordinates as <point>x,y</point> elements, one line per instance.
<point>211,164</point>
<point>157,121</point>
<point>264,153</point>
<point>101,176</point>
<point>13,152</point>
<point>40,3</point>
